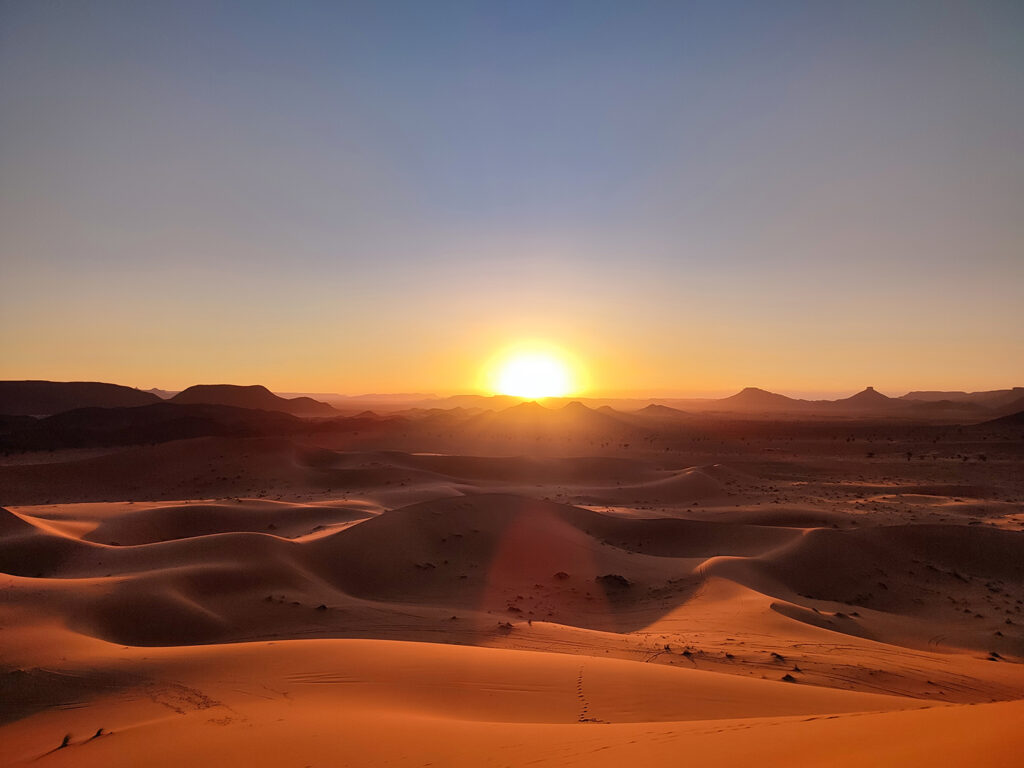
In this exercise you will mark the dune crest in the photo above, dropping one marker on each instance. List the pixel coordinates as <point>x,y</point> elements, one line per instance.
<point>568,578</point>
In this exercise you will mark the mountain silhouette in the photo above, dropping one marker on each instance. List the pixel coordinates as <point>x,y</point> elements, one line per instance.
<point>254,397</point>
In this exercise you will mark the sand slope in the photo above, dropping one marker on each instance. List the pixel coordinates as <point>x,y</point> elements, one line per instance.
<point>277,603</point>
<point>343,703</point>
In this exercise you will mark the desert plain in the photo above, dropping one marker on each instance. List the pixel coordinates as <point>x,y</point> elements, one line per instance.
<point>511,585</point>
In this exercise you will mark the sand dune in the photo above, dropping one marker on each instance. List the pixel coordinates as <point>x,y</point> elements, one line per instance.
<point>689,485</point>
<point>215,572</point>
<point>152,523</point>
<point>790,516</point>
<point>521,557</point>
<point>336,700</point>
<point>276,598</point>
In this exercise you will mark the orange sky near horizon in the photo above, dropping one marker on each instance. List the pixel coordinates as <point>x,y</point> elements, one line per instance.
<point>713,362</point>
<point>688,198</point>
<point>701,367</point>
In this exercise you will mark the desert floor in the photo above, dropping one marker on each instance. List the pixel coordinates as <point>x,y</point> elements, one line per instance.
<point>749,599</point>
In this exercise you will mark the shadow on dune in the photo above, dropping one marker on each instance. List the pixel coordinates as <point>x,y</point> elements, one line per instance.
<point>467,566</point>
<point>511,557</point>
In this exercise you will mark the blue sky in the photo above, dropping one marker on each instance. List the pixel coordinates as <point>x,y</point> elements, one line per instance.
<point>691,197</point>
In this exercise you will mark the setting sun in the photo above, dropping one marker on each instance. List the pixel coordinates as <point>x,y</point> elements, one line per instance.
<point>536,366</point>
<point>533,374</point>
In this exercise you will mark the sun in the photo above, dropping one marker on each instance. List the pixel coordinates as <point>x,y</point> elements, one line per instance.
<point>533,374</point>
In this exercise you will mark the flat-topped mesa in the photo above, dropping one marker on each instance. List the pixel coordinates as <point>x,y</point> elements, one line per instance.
<point>254,396</point>
<point>44,398</point>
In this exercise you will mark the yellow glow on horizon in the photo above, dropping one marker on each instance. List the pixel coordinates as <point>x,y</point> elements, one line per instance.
<point>534,372</point>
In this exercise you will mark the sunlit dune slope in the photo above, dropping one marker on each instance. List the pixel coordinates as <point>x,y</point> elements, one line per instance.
<point>345,700</point>
<point>167,574</point>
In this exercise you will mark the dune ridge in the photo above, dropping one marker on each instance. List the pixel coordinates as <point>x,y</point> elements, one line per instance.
<point>654,598</point>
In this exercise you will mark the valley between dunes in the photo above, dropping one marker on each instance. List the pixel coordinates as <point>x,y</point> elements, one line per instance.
<point>330,606</point>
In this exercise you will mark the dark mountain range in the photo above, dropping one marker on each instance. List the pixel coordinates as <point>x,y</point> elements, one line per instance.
<point>156,423</point>
<point>43,398</point>
<point>753,399</point>
<point>255,397</point>
<point>994,398</point>
<point>868,399</point>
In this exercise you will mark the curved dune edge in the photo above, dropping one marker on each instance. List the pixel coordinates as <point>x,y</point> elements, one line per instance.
<point>318,701</point>
<point>441,612</point>
<point>403,680</point>
<point>167,574</point>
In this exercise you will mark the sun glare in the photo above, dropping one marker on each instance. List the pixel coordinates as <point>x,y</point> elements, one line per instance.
<point>533,375</point>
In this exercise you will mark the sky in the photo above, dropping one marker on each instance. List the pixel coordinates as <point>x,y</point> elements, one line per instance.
<point>685,197</point>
